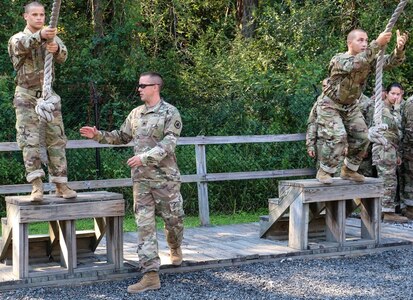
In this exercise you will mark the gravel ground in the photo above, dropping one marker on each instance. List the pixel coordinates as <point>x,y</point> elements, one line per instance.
<point>385,275</point>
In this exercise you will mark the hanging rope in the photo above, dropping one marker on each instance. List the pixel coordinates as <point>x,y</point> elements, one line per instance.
<point>45,105</point>
<point>376,132</point>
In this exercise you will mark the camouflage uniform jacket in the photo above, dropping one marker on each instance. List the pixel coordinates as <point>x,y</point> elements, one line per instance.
<point>348,73</point>
<point>154,131</point>
<point>391,117</point>
<point>27,51</point>
<point>407,125</point>
<point>366,105</point>
<point>311,134</point>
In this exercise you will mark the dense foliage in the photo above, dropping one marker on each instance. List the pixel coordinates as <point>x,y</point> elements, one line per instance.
<point>223,82</point>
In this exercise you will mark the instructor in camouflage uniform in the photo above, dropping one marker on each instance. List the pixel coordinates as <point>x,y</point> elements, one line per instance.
<point>27,50</point>
<point>339,117</point>
<point>154,129</point>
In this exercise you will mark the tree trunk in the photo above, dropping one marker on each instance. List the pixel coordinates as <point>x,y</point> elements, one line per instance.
<point>245,16</point>
<point>97,17</point>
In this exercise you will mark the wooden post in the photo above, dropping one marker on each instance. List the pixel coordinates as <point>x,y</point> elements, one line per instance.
<point>67,237</point>
<point>201,169</point>
<point>298,230</point>
<point>20,250</point>
<point>336,221</point>
<point>114,241</point>
<point>371,219</point>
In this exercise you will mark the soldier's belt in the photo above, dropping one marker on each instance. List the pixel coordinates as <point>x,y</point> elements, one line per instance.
<point>34,93</point>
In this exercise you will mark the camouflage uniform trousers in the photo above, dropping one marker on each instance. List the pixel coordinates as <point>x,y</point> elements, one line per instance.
<point>152,199</point>
<point>385,158</point>
<point>337,125</point>
<point>28,140</point>
<point>406,178</point>
<point>366,166</point>
<point>319,146</point>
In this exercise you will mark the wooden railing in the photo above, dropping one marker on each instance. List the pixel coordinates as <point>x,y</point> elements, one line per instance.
<point>202,177</point>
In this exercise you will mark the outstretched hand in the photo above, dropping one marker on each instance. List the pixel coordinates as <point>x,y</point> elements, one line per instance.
<point>88,132</point>
<point>401,39</point>
<point>383,39</point>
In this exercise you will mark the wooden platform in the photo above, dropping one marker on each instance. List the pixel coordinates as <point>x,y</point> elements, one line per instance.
<point>210,247</point>
<point>107,211</point>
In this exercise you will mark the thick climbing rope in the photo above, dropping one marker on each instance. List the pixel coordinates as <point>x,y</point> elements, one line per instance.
<point>376,132</point>
<point>46,105</point>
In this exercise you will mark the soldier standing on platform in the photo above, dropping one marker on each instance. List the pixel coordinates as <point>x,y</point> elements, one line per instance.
<point>27,50</point>
<point>339,117</point>
<point>154,129</point>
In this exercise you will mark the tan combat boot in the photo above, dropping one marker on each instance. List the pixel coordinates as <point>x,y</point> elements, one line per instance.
<point>176,256</point>
<point>63,190</point>
<point>324,177</point>
<point>346,173</point>
<point>149,281</point>
<point>393,217</point>
<point>37,190</point>
<point>408,212</point>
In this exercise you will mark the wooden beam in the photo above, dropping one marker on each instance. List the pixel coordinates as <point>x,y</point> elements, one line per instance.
<point>54,236</point>
<point>197,140</point>
<point>100,229</point>
<point>67,237</point>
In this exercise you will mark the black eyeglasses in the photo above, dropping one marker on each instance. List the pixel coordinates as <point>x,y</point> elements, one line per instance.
<point>142,85</point>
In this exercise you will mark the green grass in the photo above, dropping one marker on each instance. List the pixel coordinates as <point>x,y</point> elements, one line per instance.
<point>189,221</point>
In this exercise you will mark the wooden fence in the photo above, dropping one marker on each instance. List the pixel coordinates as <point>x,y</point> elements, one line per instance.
<point>202,177</point>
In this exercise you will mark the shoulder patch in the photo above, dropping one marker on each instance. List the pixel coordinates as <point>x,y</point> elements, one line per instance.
<point>177,124</point>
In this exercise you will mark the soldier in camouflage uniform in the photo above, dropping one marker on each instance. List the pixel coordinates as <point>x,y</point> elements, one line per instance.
<point>154,129</point>
<point>27,51</point>
<point>366,105</point>
<point>339,117</point>
<point>387,158</point>
<point>312,142</point>
<point>406,174</point>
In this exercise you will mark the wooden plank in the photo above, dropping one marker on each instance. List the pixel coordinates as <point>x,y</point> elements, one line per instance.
<point>127,182</point>
<point>69,211</point>
<point>87,205</point>
<point>203,204</point>
<point>215,140</point>
<point>259,174</point>
<point>99,196</point>
<point>304,183</point>
<point>298,229</point>
<point>67,238</point>
<point>370,215</point>
<point>336,221</point>
<point>199,140</point>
